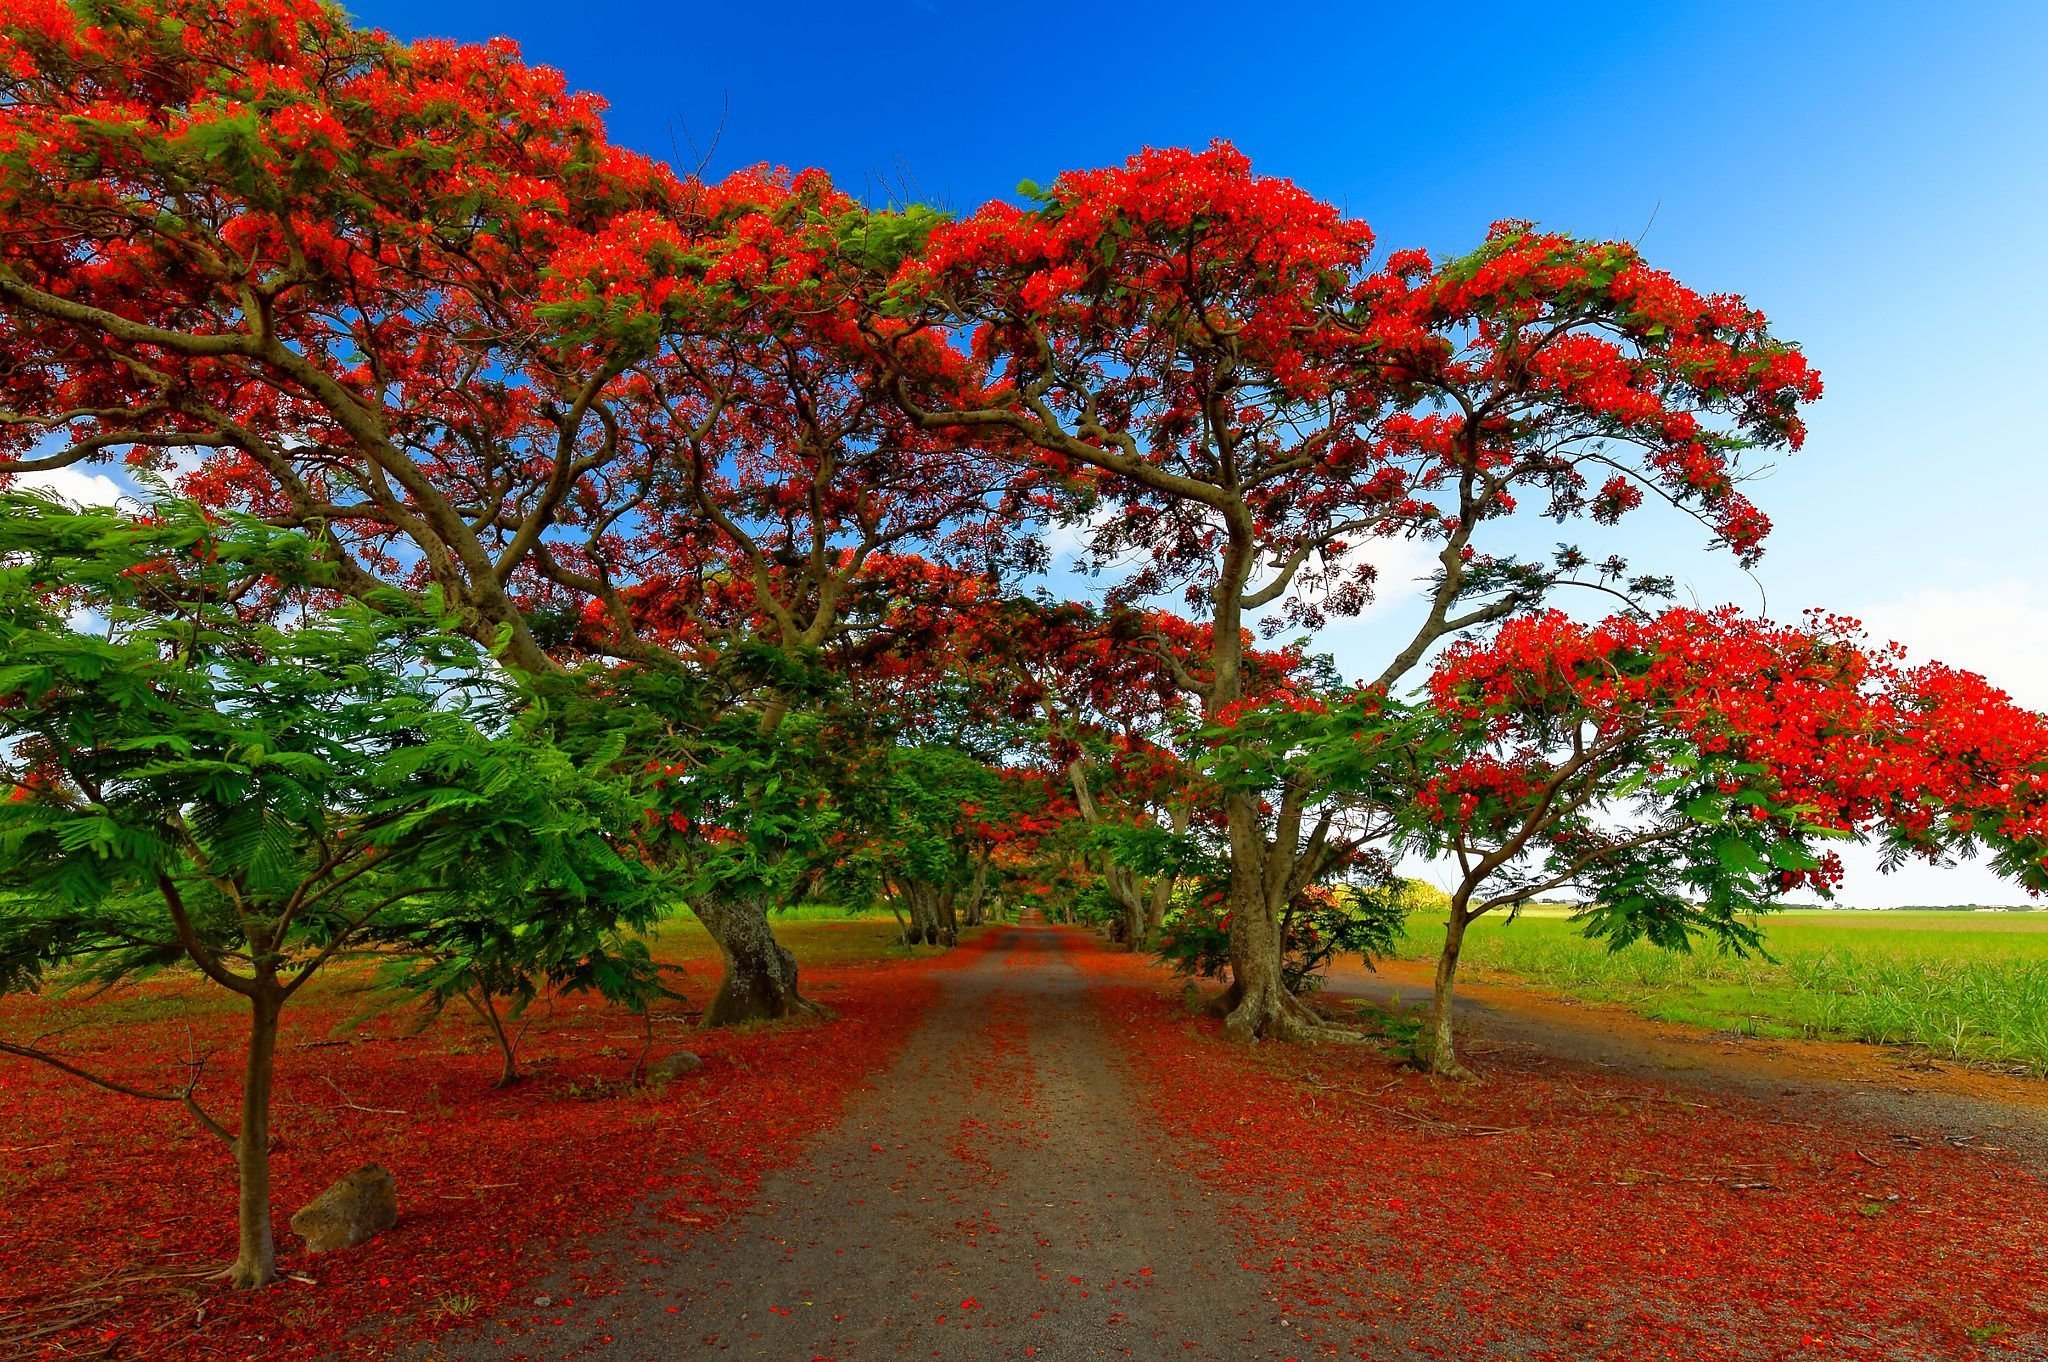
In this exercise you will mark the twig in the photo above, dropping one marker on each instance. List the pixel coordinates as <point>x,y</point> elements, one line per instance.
<point>357,1106</point>
<point>1648,1097</point>
<point>646,1045</point>
<point>186,1096</point>
<point>1419,1118</point>
<point>60,1325</point>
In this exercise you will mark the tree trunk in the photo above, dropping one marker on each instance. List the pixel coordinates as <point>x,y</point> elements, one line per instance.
<point>924,916</point>
<point>1258,1004</point>
<point>1443,1055</point>
<point>1134,919</point>
<point>487,1011</point>
<point>256,1251</point>
<point>932,919</point>
<point>1155,908</point>
<point>760,976</point>
<point>978,895</point>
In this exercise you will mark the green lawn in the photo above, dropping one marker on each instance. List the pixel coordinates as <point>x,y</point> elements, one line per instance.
<point>1965,985</point>
<point>816,936</point>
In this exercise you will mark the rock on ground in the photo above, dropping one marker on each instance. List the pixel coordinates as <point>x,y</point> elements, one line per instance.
<point>671,1067</point>
<point>361,1205</point>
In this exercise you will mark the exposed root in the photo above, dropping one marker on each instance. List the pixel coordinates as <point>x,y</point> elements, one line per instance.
<point>730,1010</point>
<point>1277,1015</point>
<point>246,1276</point>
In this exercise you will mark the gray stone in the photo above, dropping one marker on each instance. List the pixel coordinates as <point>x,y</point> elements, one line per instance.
<point>363,1204</point>
<point>670,1067</point>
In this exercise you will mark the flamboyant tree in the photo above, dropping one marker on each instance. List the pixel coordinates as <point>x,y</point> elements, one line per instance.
<point>314,269</point>
<point>928,846</point>
<point>1099,689</point>
<point>1970,774</point>
<point>1681,773</point>
<point>1250,397</point>
<point>410,298</point>
<point>780,501</point>
<point>392,294</point>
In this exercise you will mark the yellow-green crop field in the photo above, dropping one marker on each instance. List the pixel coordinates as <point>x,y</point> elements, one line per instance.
<point>1965,985</point>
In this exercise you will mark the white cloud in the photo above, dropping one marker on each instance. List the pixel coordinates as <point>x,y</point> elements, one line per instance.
<point>1406,567</point>
<point>1999,629</point>
<point>1364,643</point>
<point>1067,541</point>
<point>80,489</point>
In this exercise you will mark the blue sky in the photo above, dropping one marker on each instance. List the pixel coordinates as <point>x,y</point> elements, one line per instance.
<point>1872,175</point>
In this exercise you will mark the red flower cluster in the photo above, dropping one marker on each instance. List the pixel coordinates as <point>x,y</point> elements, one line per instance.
<point>1818,719</point>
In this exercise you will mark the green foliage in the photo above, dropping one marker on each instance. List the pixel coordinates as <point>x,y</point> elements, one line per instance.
<point>1149,850</point>
<point>879,242</point>
<point>928,814</point>
<point>198,772</point>
<point>1319,926</point>
<point>741,773</point>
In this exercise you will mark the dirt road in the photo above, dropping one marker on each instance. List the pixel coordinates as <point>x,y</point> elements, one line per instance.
<point>1001,1192</point>
<point>1901,1090</point>
<point>994,1196</point>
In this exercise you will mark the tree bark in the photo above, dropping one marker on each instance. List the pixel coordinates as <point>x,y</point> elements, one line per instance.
<point>924,923</point>
<point>760,981</point>
<point>1155,907</point>
<point>1259,1005</point>
<point>1134,917</point>
<point>480,1002</point>
<point>256,1250</point>
<point>978,895</point>
<point>931,915</point>
<point>1443,1055</point>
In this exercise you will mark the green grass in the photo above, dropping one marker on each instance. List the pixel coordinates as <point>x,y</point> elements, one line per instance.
<point>830,912</point>
<point>814,937</point>
<point>1968,986</point>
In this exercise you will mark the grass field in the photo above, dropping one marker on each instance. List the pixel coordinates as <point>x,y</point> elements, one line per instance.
<point>816,936</point>
<point>1964,985</point>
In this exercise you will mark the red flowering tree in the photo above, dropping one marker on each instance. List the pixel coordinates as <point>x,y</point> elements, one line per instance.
<point>1097,689</point>
<point>778,502</point>
<point>1683,772</point>
<point>1972,774</point>
<point>1220,362</point>
<point>337,280</point>
<point>410,298</point>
